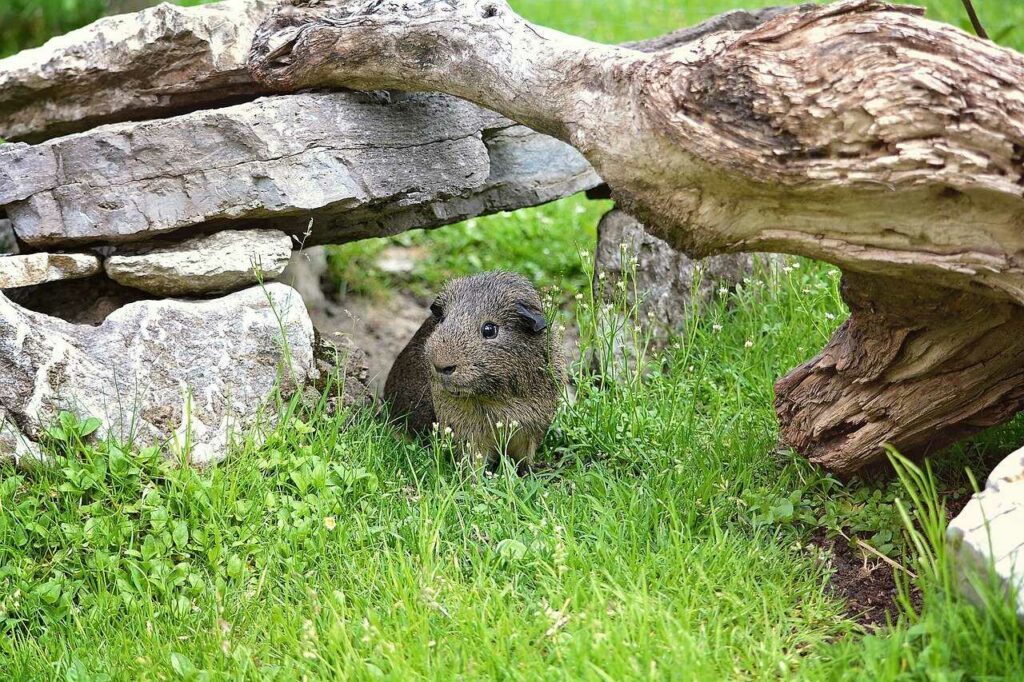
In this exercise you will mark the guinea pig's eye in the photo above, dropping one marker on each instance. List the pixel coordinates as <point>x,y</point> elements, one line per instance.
<point>436,310</point>
<point>489,330</point>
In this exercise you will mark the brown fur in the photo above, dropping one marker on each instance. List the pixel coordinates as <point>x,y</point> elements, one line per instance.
<point>513,379</point>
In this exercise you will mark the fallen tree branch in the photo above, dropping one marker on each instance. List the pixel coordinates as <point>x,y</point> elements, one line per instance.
<point>858,133</point>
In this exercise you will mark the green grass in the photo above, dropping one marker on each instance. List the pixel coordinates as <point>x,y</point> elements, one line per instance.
<point>542,243</point>
<point>662,541</point>
<point>665,540</point>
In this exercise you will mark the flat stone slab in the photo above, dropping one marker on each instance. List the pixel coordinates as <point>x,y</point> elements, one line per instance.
<point>163,372</point>
<point>359,165</point>
<point>218,263</point>
<point>39,268</point>
<point>988,535</point>
<point>151,63</point>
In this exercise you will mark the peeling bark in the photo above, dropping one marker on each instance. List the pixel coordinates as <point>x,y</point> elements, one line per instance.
<point>913,366</point>
<point>858,133</point>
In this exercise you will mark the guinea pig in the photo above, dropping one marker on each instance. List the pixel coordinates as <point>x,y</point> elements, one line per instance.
<point>485,365</point>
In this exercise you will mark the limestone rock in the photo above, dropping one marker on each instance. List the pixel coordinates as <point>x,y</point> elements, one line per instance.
<point>667,281</point>
<point>13,443</point>
<point>220,262</point>
<point>162,371</point>
<point>152,63</point>
<point>989,533</point>
<point>305,273</point>
<point>359,165</point>
<point>38,268</point>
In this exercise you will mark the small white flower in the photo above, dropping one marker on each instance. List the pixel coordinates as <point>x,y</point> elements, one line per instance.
<point>330,523</point>
<point>829,316</point>
<point>722,291</point>
<point>748,344</point>
<point>717,327</point>
<point>579,297</point>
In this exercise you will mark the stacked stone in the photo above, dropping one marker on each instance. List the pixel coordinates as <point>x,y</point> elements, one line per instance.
<point>142,162</point>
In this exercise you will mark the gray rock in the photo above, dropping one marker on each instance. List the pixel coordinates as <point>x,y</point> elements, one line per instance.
<point>668,283</point>
<point>359,165</point>
<point>305,273</point>
<point>164,371</point>
<point>217,263</point>
<point>13,443</point>
<point>38,268</point>
<point>988,535</point>
<point>152,63</point>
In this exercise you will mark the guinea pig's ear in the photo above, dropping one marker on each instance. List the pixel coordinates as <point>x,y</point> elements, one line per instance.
<point>532,318</point>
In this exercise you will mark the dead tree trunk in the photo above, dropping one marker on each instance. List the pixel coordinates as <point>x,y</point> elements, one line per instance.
<point>913,366</point>
<point>858,133</point>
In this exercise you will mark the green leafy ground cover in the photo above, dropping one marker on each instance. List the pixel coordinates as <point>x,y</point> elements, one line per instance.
<point>665,538</point>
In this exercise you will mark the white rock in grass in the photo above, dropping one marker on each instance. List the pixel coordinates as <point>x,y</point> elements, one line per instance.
<point>165,372</point>
<point>224,261</point>
<point>39,268</point>
<point>989,533</point>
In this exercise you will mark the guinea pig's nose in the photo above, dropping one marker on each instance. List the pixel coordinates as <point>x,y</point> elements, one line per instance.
<point>445,371</point>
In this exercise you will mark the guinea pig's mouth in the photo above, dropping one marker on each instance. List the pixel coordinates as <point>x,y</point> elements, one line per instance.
<point>453,389</point>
